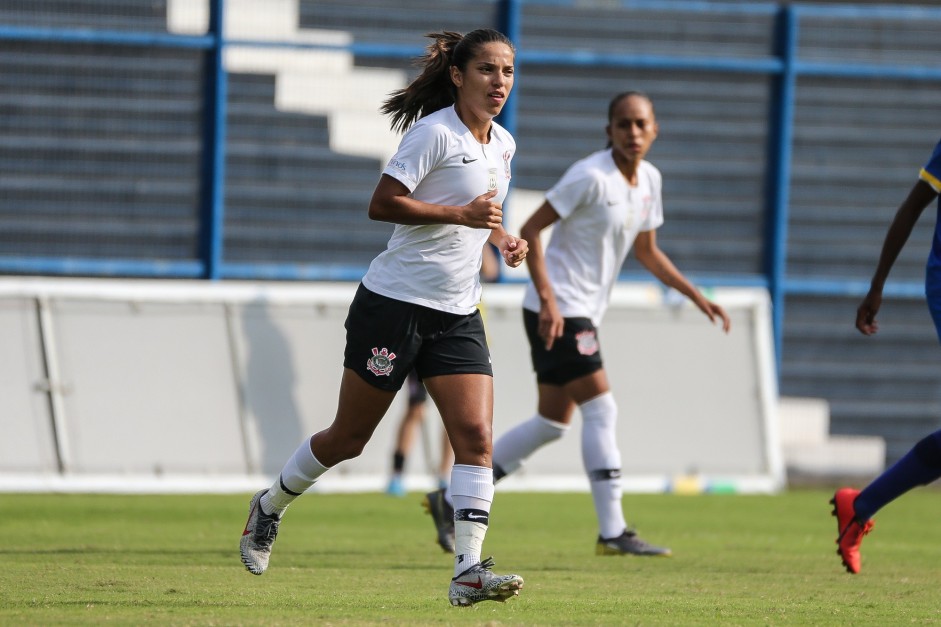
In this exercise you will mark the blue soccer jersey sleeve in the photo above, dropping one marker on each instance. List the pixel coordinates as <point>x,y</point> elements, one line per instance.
<point>931,173</point>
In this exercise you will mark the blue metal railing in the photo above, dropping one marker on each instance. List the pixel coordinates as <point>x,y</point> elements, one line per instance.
<point>213,175</point>
<point>779,161</point>
<point>783,65</point>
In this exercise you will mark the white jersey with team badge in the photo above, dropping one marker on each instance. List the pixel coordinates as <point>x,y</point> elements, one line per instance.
<point>440,162</point>
<point>600,216</point>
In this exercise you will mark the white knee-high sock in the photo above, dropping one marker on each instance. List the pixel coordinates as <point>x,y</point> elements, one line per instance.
<point>472,494</point>
<point>602,460</point>
<point>299,473</point>
<point>513,447</point>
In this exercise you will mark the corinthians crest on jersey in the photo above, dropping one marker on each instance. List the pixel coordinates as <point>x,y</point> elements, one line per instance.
<point>380,364</point>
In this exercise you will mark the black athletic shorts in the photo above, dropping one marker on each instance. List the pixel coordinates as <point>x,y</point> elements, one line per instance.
<point>387,338</point>
<point>576,354</point>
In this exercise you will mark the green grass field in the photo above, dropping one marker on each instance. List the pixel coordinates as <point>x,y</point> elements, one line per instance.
<point>371,559</point>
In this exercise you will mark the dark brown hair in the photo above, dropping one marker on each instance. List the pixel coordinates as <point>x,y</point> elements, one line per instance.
<point>626,94</point>
<point>433,90</point>
<point>621,96</point>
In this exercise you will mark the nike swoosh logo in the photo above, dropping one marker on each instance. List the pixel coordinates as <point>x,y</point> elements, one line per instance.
<point>466,160</point>
<point>471,584</point>
<point>246,532</point>
<point>475,517</point>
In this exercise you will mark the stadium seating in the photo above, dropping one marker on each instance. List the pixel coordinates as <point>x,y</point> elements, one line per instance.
<point>100,152</point>
<point>289,197</point>
<point>100,158</point>
<point>135,15</point>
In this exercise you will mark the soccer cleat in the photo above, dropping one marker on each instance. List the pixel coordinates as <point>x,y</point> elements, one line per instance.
<point>628,543</point>
<point>478,583</point>
<point>849,529</point>
<point>395,487</point>
<point>442,514</point>
<point>260,532</point>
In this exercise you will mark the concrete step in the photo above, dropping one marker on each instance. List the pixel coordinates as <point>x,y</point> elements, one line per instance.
<point>810,450</point>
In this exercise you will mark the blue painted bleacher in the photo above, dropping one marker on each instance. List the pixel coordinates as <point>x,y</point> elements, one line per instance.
<point>100,158</point>
<point>99,151</point>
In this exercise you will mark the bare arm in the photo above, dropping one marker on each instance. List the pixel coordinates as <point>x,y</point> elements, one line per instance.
<point>659,264</point>
<point>551,321</point>
<point>391,203</point>
<point>904,221</point>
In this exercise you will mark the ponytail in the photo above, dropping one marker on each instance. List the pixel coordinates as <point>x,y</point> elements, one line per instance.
<point>433,89</point>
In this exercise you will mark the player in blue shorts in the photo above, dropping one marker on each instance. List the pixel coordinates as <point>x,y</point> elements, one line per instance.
<point>416,307</point>
<point>854,509</point>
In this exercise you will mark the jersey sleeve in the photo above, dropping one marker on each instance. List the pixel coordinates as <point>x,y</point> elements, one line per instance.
<point>420,151</point>
<point>576,188</point>
<point>931,173</point>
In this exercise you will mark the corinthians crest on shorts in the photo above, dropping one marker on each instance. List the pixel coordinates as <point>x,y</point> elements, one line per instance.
<point>380,364</point>
<point>586,342</point>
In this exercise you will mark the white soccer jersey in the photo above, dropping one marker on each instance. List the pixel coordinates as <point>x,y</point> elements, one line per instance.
<point>600,216</point>
<point>440,162</point>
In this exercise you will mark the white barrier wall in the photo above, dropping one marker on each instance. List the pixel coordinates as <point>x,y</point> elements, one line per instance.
<point>144,386</point>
